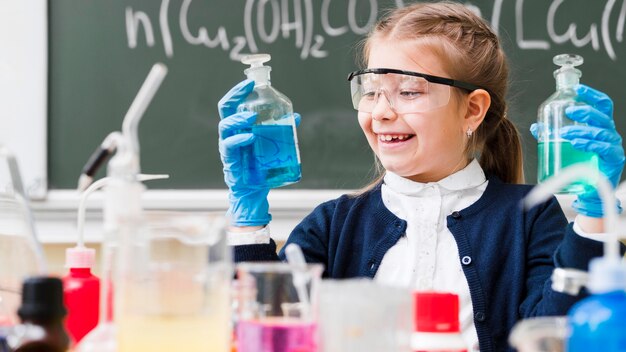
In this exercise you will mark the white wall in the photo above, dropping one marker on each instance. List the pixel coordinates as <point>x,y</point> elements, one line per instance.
<point>23,88</point>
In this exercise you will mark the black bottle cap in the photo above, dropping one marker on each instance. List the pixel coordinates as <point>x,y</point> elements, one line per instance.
<point>42,298</point>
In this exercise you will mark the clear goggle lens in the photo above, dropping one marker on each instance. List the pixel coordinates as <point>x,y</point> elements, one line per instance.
<point>404,93</point>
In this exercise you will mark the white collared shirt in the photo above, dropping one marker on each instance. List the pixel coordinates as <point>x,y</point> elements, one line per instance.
<point>427,258</point>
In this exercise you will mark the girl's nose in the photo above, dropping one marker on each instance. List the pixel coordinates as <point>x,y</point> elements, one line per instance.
<point>383,108</point>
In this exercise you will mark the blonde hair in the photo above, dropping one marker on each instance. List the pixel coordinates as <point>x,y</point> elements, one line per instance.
<point>470,51</point>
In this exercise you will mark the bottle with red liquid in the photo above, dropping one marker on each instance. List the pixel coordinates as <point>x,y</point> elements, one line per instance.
<point>437,323</point>
<point>81,291</point>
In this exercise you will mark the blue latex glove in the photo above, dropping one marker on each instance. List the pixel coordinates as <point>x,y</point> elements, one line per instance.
<point>248,205</point>
<point>599,137</point>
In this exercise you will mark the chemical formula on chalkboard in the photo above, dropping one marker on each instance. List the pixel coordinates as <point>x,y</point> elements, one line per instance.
<point>308,23</point>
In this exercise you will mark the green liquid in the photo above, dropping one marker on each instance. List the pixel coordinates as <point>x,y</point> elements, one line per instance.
<point>554,156</point>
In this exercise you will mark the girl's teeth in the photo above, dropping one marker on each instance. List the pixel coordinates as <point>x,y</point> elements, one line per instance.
<point>387,137</point>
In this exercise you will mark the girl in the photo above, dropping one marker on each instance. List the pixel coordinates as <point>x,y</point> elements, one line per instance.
<point>445,213</point>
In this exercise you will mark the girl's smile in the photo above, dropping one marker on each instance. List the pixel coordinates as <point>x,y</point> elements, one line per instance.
<point>392,137</point>
<point>406,143</point>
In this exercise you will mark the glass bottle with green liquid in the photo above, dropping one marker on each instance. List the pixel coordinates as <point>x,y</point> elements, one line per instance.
<point>554,152</point>
<point>273,160</point>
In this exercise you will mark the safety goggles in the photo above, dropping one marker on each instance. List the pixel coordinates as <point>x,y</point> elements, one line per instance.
<point>406,91</point>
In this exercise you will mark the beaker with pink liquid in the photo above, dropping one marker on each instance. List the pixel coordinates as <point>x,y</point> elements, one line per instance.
<point>277,308</point>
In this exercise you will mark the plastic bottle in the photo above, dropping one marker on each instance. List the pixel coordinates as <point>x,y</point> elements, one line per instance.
<point>41,313</point>
<point>273,160</point>
<point>554,152</point>
<point>81,291</point>
<point>599,321</point>
<point>81,287</point>
<point>437,323</point>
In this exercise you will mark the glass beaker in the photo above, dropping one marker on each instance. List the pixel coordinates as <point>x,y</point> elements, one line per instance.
<point>21,254</point>
<point>173,282</point>
<point>362,315</point>
<point>541,334</point>
<point>273,315</point>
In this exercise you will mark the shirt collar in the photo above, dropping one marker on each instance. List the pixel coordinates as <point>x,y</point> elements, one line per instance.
<point>469,177</point>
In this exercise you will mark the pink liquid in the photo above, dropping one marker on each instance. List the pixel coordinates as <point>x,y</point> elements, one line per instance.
<point>276,335</point>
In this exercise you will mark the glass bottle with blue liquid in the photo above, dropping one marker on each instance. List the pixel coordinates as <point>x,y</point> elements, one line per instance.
<point>554,152</point>
<point>273,160</point>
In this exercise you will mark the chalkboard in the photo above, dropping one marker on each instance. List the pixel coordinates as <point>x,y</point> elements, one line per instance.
<point>101,51</point>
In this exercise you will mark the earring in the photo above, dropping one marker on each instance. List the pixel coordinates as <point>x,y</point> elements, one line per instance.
<point>469,132</point>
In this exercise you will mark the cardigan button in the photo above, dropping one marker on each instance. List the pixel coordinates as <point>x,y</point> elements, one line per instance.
<point>479,316</point>
<point>373,266</point>
<point>466,260</point>
<point>456,214</point>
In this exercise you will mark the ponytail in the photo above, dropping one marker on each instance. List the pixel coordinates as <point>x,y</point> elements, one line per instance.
<point>501,154</point>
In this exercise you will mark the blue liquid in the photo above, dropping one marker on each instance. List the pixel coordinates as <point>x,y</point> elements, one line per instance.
<point>272,160</point>
<point>598,323</point>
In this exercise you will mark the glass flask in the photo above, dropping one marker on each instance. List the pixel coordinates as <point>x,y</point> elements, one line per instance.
<point>554,152</point>
<point>273,160</point>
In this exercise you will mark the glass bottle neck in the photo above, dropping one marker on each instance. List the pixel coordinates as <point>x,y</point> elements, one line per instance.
<point>260,75</point>
<point>566,79</point>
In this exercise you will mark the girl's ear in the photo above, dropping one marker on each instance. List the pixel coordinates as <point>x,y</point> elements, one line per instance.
<point>478,103</point>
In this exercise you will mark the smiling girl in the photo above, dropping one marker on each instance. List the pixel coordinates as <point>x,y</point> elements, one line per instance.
<point>445,213</point>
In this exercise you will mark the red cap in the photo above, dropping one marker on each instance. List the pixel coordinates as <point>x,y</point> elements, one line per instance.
<point>436,312</point>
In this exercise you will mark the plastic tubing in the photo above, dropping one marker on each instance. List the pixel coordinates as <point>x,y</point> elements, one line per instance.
<point>577,172</point>
<point>140,104</point>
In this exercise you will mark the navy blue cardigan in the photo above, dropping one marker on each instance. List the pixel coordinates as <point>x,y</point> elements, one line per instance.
<point>507,254</point>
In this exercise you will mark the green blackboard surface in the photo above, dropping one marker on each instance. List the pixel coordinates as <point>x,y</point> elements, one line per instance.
<point>101,51</point>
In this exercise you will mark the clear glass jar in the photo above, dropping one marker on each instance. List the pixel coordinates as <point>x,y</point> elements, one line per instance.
<point>273,160</point>
<point>554,152</point>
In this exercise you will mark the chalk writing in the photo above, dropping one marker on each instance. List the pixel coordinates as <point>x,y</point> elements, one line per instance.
<point>307,24</point>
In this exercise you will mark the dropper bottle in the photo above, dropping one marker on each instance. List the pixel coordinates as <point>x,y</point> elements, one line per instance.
<point>273,160</point>
<point>554,152</point>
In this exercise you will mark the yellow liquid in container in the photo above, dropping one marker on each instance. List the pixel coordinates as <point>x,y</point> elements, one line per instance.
<point>175,314</point>
<point>190,334</point>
